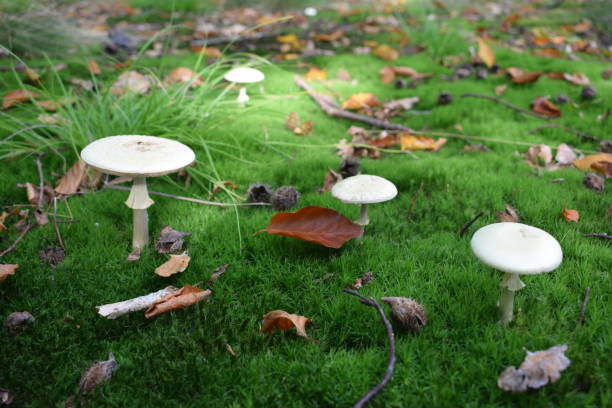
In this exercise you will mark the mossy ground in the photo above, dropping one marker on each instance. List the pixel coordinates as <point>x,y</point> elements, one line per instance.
<point>179,359</point>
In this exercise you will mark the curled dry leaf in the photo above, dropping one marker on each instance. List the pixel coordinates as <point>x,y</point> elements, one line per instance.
<point>363,280</point>
<point>571,215</point>
<point>7,270</point>
<point>176,264</point>
<point>217,273</point>
<point>499,90</point>
<point>52,256</point>
<point>603,167</point>
<point>182,75</point>
<point>132,81</point>
<point>134,255</point>
<point>518,76</point>
<point>72,180</point>
<point>510,214</point>
<point>388,73</point>
<point>170,240</point>
<point>19,96</point>
<point>586,163</point>
<point>410,142</point>
<point>565,155</point>
<point>293,123</point>
<point>576,79</point>
<point>485,53</point>
<point>360,100</point>
<point>545,107</point>
<point>185,296</point>
<point>385,52</point>
<point>536,371</point>
<point>114,310</point>
<point>330,179</point>
<point>281,320</point>
<point>93,67</point>
<point>593,182</point>
<point>401,104</point>
<point>97,374</point>
<point>539,156</point>
<point>314,224</point>
<point>18,321</point>
<point>410,314</point>
<point>316,74</point>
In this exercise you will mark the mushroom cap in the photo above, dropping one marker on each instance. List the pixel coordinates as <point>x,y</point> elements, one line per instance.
<point>244,75</point>
<point>137,155</point>
<point>364,189</point>
<point>517,248</point>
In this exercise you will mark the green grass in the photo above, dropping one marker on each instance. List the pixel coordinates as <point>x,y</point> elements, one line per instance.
<point>179,359</point>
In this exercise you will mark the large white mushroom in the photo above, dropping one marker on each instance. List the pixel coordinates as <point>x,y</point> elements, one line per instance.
<point>138,157</point>
<point>244,75</point>
<point>515,249</point>
<point>364,189</point>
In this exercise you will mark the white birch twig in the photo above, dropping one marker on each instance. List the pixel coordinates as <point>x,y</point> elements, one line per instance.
<point>114,310</point>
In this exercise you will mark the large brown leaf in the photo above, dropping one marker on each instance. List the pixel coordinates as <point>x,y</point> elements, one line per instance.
<point>485,53</point>
<point>185,296</point>
<point>71,181</point>
<point>588,163</point>
<point>19,96</point>
<point>545,107</point>
<point>314,224</point>
<point>281,320</point>
<point>6,270</point>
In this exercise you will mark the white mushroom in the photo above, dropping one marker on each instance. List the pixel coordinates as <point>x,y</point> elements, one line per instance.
<point>138,157</point>
<point>516,249</point>
<point>244,75</point>
<point>364,189</point>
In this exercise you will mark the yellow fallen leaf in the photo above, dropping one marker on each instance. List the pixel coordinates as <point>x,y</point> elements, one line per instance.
<point>571,215</point>
<point>176,264</point>
<point>386,52</point>
<point>316,74</point>
<point>485,53</point>
<point>410,142</point>
<point>290,39</point>
<point>586,163</point>
<point>6,270</point>
<point>281,320</point>
<point>361,100</point>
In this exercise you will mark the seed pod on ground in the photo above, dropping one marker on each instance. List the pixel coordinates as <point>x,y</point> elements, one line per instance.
<point>588,92</point>
<point>18,321</point>
<point>259,193</point>
<point>594,182</point>
<point>562,99</point>
<point>445,98</point>
<point>407,312</point>
<point>285,197</point>
<point>349,167</point>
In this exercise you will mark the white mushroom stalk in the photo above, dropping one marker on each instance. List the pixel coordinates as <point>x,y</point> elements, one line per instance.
<point>364,189</point>
<point>139,157</point>
<point>244,75</point>
<point>515,249</point>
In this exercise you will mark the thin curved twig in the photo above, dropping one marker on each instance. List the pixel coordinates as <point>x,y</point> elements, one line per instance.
<point>506,104</point>
<point>391,365</point>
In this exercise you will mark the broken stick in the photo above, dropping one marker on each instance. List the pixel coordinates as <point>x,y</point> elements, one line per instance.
<point>114,310</point>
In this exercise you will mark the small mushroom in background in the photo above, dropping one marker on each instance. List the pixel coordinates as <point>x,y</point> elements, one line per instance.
<point>515,249</point>
<point>364,189</point>
<point>138,157</point>
<point>244,75</point>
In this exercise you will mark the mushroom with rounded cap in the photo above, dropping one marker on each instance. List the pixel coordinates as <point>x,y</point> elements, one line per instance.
<point>515,249</point>
<point>138,157</point>
<point>364,189</point>
<point>244,75</point>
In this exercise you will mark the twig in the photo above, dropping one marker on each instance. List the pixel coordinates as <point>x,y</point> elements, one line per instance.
<point>506,104</point>
<point>55,227</point>
<point>225,40</point>
<point>192,200</point>
<point>391,365</point>
<point>332,109</point>
<point>41,178</point>
<point>598,235</point>
<point>413,200</point>
<point>570,130</point>
<point>584,305</point>
<point>24,231</point>
<point>469,224</point>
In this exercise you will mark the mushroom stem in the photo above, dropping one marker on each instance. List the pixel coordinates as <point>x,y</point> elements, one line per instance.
<point>139,201</point>
<point>243,98</point>
<point>363,219</point>
<point>511,284</point>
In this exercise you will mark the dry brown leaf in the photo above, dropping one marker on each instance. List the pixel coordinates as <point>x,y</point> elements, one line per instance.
<point>485,53</point>
<point>281,320</point>
<point>410,142</point>
<point>571,215</point>
<point>6,270</point>
<point>170,240</point>
<point>401,104</point>
<point>97,374</point>
<point>32,76</point>
<point>333,36</point>
<point>526,77</point>
<point>316,74</point>
<point>363,280</point>
<point>72,180</point>
<point>293,123</point>
<point>360,100</point>
<point>176,264</point>
<point>19,96</point>
<point>499,90</point>
<point>314,224</point>
<point>539,156</point>
<point>330,179</point>
<point>387,74</point>
<point>545,107</point>
<point>182,75</point>
<point>565,155</point>
<point>548,52</point>
<point>132,81</point>
<point>217,273</point>
<point>93,67</point>
<point>510,214</point>
<point>185,296</point>
<point>386,52</point>
<point>586,163</point>
<point>536,370</point>
<point>576,79</point>
<point>603,167</point>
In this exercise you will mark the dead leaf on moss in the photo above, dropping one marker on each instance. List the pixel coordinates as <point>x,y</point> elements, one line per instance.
<point>182,75</point>
<point>571,215</point>
<point>93,67</point>
<point>72,180</point>
<point>539,156</point>
<point>7,270</point>
<point>19,96</point>
<point>485,53</point>
<point>281,320</point>
<point>360,101</point>
<point>290,39</point>
<point>401,104</point>
<point>519,76</point>
<point>565,155</point>
<point>510,214</point>
<point>499,90</point>
<point>185,296</point>
<point>316,74</point>
<point>97,374</point>
<point>576,79</point>
<point>217,273</point>
<point>301,129</point>
<point>536,371</point>
<point>386,52</point>
<point>132,81</point>
<point>329,180</point>
<point>545,107</point>
<point>176,264</point>
<point>363,280</point>
<point>410,142</point>
<point>603,167</point>
<point>586,163</point>
<point>170,240</point>
<point>314,224</point>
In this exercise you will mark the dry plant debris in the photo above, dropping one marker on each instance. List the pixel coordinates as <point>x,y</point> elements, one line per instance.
<point>176,264</point>
<point>185,296</point>
<point>170,240</point>
<point>99,373</point>
<point>217,273</point>
<point>18,321</point>
<point>281,320</point>
<point>407,312</point>
<point>7,270</point>
<point>571,215</point>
